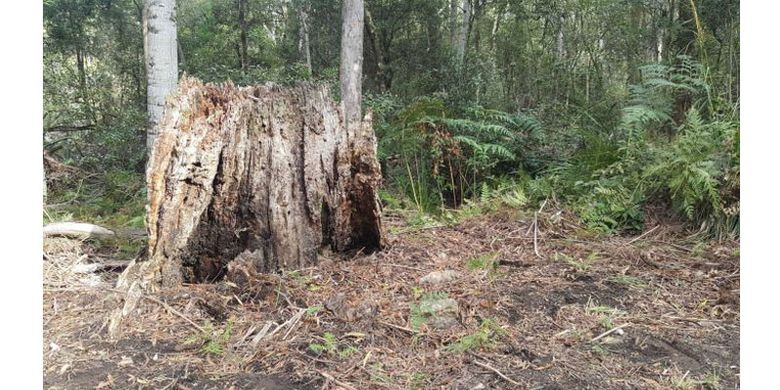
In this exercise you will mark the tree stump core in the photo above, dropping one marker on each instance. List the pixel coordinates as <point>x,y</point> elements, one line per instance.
<point>267,173</point>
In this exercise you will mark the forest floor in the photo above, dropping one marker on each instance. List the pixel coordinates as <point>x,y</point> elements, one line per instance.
<point>652,311</point>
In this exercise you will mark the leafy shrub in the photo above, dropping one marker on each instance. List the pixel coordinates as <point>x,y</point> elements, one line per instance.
<point>441,156</point>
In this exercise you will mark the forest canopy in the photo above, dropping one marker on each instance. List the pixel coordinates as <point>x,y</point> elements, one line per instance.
<point>615,109</point>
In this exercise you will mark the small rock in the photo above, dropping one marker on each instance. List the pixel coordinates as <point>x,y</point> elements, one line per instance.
<point>440,313</point>
<point>126,361</point>
<point>609,340</point>
<point>437,277</point>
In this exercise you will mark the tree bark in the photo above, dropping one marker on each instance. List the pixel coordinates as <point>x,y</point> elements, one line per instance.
<point>561,49</point>
<point>159,25</point>
<point>464,30</point>
<point>383,73</point>
<point>260,169</point>
<point>243,33</point>
<point>264,176</point>
<point>351,69</point>
<point>304,15</point>
<point>500,11</point>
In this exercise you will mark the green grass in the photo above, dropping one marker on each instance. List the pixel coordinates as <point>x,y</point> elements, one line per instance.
<point>485,261</point>
<point>329,345</point>
<point>483,338</point>
<point>580,265</point>
<point>709,381</point>
<point>628,280</point>
<point>214,342</point>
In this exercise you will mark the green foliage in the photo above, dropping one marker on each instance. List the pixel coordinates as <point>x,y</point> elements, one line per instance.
<point>692,170</point>
<point>580,265</point>
<point>213,342</point>
<point>483,338</point>
<point>452,132</point>
<point>692,165</point>
<point>420,312</point>
<point>611,208</point>
<point>485,261</point>
<point>330,346</point>
<point>441,156</point>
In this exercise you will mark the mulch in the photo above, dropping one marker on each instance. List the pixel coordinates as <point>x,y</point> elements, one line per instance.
<point>652,311</point>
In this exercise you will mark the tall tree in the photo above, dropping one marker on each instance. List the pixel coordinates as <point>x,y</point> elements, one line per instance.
<point>305,44</point>
<point>351,70</point>
<point>159,25</point>
<point>464,29</point>
<point>243,28</point>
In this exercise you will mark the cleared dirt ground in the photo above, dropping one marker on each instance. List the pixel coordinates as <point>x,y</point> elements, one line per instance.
<point>656,311</point>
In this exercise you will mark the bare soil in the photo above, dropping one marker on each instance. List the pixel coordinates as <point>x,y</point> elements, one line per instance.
<point>671,304</point>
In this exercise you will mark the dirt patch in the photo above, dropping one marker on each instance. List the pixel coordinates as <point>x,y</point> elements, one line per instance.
<point>645,314</point>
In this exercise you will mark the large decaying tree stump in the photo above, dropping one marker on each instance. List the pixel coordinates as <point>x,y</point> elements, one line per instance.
<point>264,173</point>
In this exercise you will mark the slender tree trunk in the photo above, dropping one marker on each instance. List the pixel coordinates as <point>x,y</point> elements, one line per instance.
<point>243,33</point>
<point>160,46</point>
<point>560,43</point>
<point>452,20</point>
<point>304,15</point>
<point>381,55</point>
<point>496,22</point>
<point>464,30</point>
<point>82,71</point>
<point>351,69</point>
<point>180,53</point>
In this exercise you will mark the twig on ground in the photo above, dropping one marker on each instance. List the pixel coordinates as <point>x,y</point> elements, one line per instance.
<point>489,367</point>
<point>294,321</point>
<point>536,234</point>
<point>336,381</point>
<point>176,312</point>
<point>607,333</point>
<point>403,266</point>
<point>399,327</point>
<point>641,236</point>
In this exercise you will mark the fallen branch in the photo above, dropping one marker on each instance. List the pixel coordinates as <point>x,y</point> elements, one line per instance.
<point>75,229</point>
<point>536,234</point>
<point>66,129</point>
<point>336,381</point>
<point>641,236</point>
<point>399,327</point>
<point>157,301</point>
<point>176,312</point>
<point>607,333</point>
<point>489,367</point>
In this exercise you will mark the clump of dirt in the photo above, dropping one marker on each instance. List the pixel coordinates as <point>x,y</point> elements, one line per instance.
<point>643,312</point>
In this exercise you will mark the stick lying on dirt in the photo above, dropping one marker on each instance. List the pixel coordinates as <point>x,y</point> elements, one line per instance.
<point>607,333</point>
<point>504,377</point>
<point>75,229</point>
<point>641,236</point>
<point>336,381</point>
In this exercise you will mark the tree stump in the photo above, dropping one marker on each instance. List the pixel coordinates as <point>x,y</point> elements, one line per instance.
<point>267,173</point>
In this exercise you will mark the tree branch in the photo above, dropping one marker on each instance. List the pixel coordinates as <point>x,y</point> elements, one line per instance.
<point>67,128</point>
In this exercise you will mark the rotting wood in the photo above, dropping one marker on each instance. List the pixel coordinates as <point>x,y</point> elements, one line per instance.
<point>265,175</point>
<point>75,229</point>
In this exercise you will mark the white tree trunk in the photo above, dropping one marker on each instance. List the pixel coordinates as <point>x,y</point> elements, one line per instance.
<point>561,47</point>
<point>352,14</point>
<point>464,30</point>
<point>160,47</point>
<point>305,38</point>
